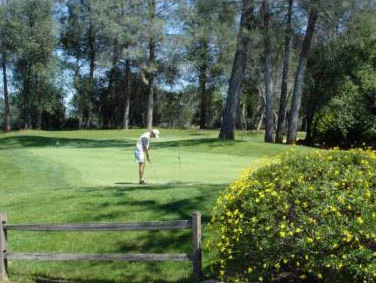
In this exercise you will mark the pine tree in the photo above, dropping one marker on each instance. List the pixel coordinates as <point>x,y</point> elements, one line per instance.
<point>286,59</point>
<point>299,80</point>
<point>4,42</point>
<point>234,90</point>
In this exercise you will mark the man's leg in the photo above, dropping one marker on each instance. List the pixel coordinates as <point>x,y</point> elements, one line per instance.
<point>141,168</point>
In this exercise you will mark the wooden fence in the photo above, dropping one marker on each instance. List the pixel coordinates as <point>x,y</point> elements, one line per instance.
<point>194,224</point>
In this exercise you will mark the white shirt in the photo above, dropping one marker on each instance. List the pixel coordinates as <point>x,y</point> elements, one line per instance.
<point>143,142</point>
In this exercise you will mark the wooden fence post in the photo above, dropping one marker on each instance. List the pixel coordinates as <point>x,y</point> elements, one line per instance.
<point>3,248</point>
<point>196,228</point>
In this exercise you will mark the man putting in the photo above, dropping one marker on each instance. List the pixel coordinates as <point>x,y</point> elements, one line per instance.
<point>142,149</point>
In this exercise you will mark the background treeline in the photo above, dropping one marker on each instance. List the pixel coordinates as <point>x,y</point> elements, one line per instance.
<point>283,66</point>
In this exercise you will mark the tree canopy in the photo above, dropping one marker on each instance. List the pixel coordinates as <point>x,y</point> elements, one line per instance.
<point>283,66</point>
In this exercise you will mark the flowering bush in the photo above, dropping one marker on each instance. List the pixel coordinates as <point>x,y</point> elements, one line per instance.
<point>305,217</point>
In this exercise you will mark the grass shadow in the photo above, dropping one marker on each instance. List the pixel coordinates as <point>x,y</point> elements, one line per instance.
<point>212,142</point>
<point>165,201</point>
<point>40,141</point>
<point>128,186</point>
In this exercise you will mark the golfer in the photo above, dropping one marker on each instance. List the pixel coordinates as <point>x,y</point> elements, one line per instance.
<point>142,149</point>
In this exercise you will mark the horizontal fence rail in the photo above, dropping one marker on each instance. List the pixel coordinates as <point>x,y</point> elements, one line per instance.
<point>194,224</point>
<point>99,257</point>
<point>133,226</point>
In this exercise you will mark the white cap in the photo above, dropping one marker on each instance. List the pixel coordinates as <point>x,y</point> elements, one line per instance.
<point>155,133</point>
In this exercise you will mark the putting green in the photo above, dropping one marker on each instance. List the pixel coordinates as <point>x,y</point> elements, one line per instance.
<point>91,176</point>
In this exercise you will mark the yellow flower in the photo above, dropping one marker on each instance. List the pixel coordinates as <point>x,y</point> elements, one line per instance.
<point>373,215</point>
<point>348,236</point>
<point>309,240</point>
<point>319,276</point>
<point>360,220</point>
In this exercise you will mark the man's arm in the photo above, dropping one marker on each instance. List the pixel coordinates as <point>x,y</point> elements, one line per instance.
<point>146,150</point>
<point>145,147</point>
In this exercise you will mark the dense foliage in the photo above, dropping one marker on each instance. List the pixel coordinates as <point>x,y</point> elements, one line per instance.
<point>123,64</point>
<point>341,106</point>
<point>349,119</point>
<point>304,217</point>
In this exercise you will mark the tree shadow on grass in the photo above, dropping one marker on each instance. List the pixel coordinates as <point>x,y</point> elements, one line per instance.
<point>40,141</point>
<point>125,186</point>
<point>154,186</point>
<point>213,142</point>
<point>183,209</point>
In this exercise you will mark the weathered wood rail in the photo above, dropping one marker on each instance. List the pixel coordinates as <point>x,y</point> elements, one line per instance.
<point>194,224</point>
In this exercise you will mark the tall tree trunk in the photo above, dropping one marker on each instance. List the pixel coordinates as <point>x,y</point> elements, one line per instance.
<point>311,110</point>
<point>209,101</point>
<point>26,95</point>
<point>39,119</point>
<point>40,106</point>
<point>79,103</point>
<point>92,55</point>
<point>269,117</point>
<point>299,80</point>
<point>260,111</point>
<point>203,79</point>
<point>150,107</point>
<point>286,60</point>
<point>7,126</point>
<point>5,85</point>
<point>243,117</point>
<point>127,90</point>
<point>126,81</point>
<point>109,119</point>
<point>237,73</point>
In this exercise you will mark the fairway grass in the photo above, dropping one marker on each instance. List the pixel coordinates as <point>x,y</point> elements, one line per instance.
<point>91,176</point>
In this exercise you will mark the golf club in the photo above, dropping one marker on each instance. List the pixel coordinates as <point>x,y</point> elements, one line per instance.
<point>155,177</point>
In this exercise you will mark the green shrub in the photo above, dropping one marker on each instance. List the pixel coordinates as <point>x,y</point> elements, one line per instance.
<point>349,119</point>
<point>306,217</point>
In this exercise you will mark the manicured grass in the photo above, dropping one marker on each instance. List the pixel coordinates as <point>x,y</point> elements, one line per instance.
<point>91,176</point>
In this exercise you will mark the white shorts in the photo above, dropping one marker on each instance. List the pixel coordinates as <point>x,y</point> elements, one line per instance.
<point>140,156</point>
